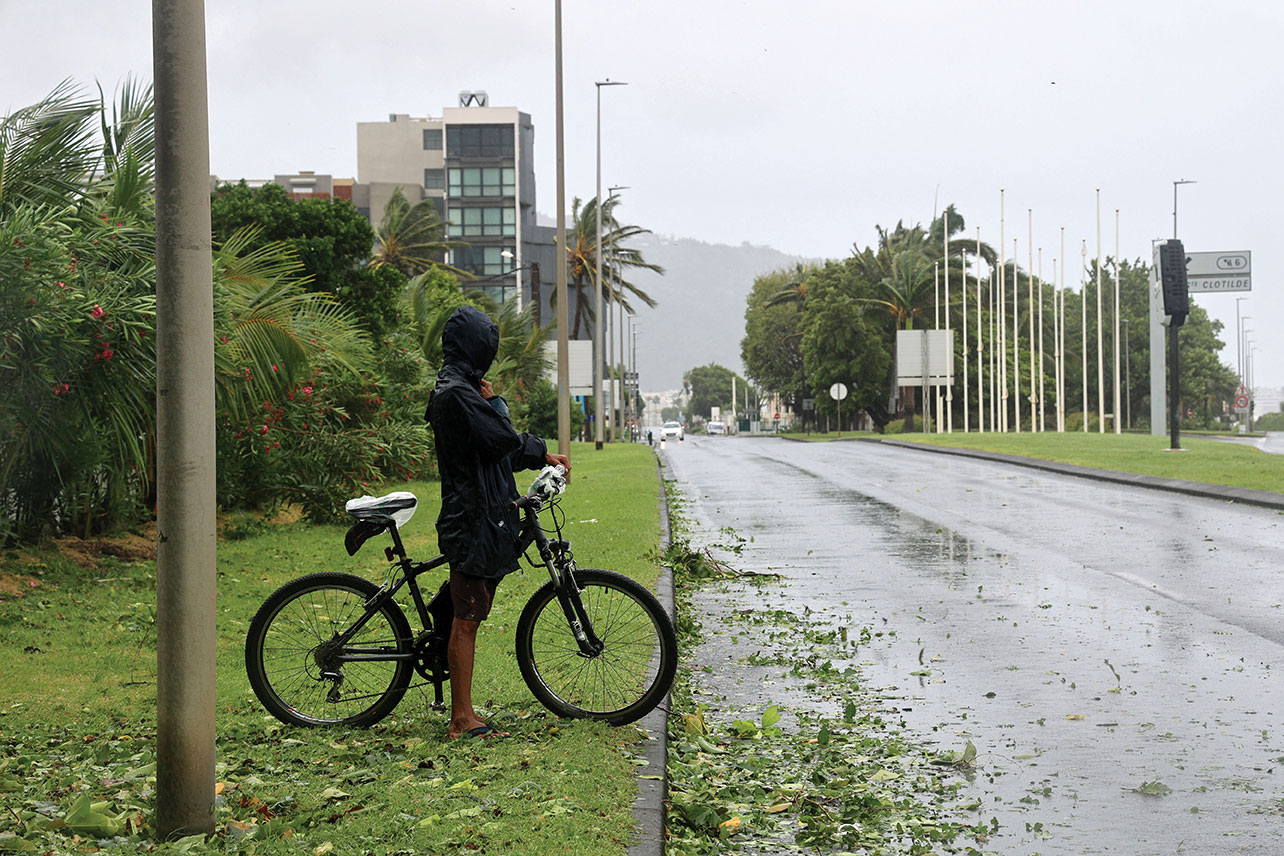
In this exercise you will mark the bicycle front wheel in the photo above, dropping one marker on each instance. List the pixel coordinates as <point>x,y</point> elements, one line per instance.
<point>300,672</point>
<point>627,679</point>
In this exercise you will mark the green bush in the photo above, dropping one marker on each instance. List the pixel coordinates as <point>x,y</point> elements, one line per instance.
<point>1074,422</point>
<point>329,440</point>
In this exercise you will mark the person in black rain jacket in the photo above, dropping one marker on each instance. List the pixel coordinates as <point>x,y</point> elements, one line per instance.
<point>477,529</point>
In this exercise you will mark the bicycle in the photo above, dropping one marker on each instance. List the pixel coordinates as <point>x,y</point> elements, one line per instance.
<point>335,649</point>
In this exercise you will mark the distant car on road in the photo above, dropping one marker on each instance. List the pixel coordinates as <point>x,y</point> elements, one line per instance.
<point>672,429</point>
<point>716,428</point>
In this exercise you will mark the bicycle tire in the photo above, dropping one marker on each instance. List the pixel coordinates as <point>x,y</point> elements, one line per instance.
<point>632,675</point>
<point>284,664</point>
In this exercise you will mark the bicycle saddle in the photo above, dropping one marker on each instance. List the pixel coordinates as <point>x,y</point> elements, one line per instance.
<point>375,514</point>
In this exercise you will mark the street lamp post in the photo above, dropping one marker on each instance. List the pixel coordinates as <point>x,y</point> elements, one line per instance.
<point>1249,371</point>
<point>1175,185</point>
<point>615,278</point>
<point>597,290</point>
<point>1239,341</point>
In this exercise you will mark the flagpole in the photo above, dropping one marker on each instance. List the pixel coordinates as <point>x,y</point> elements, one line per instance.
<point>949,372</point>
<point>1001,325</point>
<point>980,344</point>
<point>1118,423</point>
<point>1016,338</point>
<point>1029,280</point>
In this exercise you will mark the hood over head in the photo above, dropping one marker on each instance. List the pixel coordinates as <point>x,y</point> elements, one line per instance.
<point>470,341</point>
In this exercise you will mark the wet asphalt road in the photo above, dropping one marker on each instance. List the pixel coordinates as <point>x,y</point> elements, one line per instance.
<point>1088,638</point>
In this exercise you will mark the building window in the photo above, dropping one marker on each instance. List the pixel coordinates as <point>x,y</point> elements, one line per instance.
<point>490,181</point>
<point>479,141</point>
<point>482,222</point>
<point>434,179</point>
<point>482,261</point>
<point>432,139</point>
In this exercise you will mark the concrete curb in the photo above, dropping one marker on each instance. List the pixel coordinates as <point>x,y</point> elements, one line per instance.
<point>648,808</point>
<point>1263,498</point>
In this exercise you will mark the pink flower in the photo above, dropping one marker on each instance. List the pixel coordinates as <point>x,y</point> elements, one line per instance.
<point>97,311</point>
<point>274,367</point>
<point>307,390</point>
<point>264,430</point>
<point>61,388</point>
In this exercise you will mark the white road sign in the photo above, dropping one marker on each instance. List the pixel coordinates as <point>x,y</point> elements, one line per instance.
<point>838,391</point>
<point>1217,272</point>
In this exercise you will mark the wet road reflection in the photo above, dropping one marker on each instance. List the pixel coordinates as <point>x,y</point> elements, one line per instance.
<point>1088,638</point>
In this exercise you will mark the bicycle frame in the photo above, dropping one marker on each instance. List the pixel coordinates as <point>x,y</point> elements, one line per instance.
<point>554,555</point>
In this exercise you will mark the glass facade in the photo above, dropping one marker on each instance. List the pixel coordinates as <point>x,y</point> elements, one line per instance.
<point>483,222</point>
<point>434,179</point>
<point>478,181</point>
<point>432,139</point>
<point>482,261</point>
<point>479,141</point>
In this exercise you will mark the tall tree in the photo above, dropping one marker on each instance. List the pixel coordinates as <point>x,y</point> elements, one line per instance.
<point>711,386</point>
<point>617,258</point>
<point>412,238</point>
<point>772,345</point>
<point>330,238</point>
<point>843,343</point>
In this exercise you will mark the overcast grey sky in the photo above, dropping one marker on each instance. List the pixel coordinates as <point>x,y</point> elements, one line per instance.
<point>797,125</point>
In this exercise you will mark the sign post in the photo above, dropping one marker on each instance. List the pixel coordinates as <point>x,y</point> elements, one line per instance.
<point>838,392</point>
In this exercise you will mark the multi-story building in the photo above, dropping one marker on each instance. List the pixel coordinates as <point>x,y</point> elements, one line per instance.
<point>476,162</point>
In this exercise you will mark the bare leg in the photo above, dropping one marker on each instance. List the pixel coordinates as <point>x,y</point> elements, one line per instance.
<point>459,656</point>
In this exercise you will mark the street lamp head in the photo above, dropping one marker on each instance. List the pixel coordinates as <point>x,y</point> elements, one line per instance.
<point>1185,181</point>
<point>609,82</point>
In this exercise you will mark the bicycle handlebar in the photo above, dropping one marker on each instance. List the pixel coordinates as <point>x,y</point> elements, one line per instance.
<point>550,483</point>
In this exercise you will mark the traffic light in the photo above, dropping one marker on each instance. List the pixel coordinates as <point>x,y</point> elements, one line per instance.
<point>1172,278</point>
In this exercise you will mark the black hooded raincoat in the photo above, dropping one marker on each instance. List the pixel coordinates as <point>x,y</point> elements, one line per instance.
<point>477,451</point>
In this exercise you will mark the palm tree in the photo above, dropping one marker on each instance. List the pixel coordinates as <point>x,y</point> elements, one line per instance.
<point>269,328</point>
<point>47,150</point>
<point>432,297</point>
<point>412,238</point>
<point>616,258</point>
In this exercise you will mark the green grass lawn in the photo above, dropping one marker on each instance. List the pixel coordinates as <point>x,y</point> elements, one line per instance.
<point>78,716</point>
<point>1210,461</point>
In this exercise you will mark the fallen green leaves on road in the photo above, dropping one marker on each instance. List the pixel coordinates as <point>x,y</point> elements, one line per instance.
<point>823,782</point>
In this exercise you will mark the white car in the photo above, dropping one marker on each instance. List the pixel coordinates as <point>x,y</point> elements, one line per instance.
<point>716,428</point>
<point>672,429</point>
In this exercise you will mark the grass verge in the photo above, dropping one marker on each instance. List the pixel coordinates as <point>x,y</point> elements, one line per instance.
<point>1210,461</point>
<point>77,727</point>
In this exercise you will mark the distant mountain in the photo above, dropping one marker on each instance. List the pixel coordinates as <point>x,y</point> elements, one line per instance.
<point>700,313</point>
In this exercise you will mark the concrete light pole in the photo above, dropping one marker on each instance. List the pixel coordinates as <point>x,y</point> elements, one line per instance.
<point>563,320</point>
<point>598,355</point>
<point>185,510</point>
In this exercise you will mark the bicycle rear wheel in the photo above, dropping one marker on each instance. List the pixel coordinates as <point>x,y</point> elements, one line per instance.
<point>299,672</point>
<point>632,674</point>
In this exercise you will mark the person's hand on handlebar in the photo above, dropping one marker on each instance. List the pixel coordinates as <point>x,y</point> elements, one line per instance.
<point>553,460</point>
